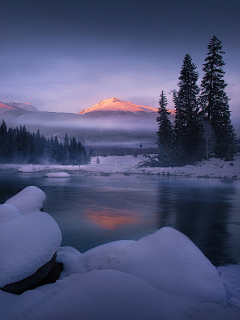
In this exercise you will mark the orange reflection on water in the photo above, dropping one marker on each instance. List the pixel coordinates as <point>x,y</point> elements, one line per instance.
<point>109,218</point>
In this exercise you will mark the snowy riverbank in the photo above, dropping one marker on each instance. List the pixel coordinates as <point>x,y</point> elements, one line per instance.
<point>213,168</point>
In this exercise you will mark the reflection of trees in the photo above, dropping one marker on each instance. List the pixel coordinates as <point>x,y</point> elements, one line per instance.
<point>201,213</point>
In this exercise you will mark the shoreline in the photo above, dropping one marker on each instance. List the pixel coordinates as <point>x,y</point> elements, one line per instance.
<point>127,165</point>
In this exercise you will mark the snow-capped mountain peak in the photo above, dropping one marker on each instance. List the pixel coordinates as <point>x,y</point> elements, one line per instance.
<point>24,106</point>
<point>117,105</point>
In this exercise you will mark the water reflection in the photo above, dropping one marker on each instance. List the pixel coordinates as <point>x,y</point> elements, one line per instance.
<point>201,213</point>
<point>109,218</point>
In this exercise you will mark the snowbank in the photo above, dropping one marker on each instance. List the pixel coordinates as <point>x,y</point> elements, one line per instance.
<point>168,260</point>
<point>26,244</point>
<point>28,200</point>
<point>26,169</point>
<point>72,261</point>
<point>213,168</point>
<point>8,212</point>
<point>106,294</point>
<point>57,175</point>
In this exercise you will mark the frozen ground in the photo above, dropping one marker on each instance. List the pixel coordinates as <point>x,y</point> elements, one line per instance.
<point>162,276</point>
<point>213,168</point>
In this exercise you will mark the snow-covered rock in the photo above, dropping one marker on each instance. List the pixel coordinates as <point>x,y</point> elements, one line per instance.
<point>20,302</point>
<point>230,276</point>
<point>72,261</point>
<point>8,212</point>
<point>106,294</point>
<point>28,200</point>
<point>166,259</point>
<point>26,244</point>
<point>57,175</point>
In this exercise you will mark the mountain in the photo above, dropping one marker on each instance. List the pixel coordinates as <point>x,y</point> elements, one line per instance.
<point>115,105</point>
<point>13,106</point>
<point>4,107</point>
<point>23,106</point>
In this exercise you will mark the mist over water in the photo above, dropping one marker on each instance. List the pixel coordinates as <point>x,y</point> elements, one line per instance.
<point>92,209</point>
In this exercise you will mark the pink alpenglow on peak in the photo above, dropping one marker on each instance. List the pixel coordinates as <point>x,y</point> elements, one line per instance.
<point>117,105</point>
<point>24,106</point>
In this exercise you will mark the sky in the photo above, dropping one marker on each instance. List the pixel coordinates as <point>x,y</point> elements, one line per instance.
<point>65,56</point>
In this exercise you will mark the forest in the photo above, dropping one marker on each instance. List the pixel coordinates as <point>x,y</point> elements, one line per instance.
<point>202,126</point>
<point>18,145</point>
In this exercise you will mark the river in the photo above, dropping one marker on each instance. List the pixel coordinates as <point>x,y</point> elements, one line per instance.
<point>94,209</point>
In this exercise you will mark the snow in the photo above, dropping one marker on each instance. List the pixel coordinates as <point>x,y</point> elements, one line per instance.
<point>212,168</point>
<point>116,105</point>
<point>4,107</point>
<point>72,261</point>
<point>26,169</point>
<point>106,294</point>
<point>28,200</point>
<point>57,175</point>
<point>10,303</point>
<point>26,244</point>
<point>24,106</point>
<point>8,212</point>
<point>230,276</point>
<point>169,261</point>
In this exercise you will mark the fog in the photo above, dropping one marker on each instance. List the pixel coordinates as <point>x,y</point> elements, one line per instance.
<point>120,130</point>
<point>96,130</point>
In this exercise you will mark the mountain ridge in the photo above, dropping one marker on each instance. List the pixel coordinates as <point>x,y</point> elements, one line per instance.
<point>16,106</point>
<point>115,105</point>
<point>22,105</point>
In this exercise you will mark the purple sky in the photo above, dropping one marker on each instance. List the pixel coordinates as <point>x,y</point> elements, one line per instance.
<point>70,55</point>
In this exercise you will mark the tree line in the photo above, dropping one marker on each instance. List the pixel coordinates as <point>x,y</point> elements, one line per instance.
<point>18,145</point>
<point>202,126</point>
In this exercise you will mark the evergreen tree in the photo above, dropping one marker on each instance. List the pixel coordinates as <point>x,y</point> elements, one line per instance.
<point>3,140</point>
<point>19,145</point>
<point>73,151</point>
<point>165,134</point>
<point>214,104</point>
<point>188,129</point>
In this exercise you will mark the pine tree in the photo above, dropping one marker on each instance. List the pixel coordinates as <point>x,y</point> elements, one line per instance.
<point>214,104</point>
<point>188,129</point>
<point>3,140</point>
<point>165,134</point>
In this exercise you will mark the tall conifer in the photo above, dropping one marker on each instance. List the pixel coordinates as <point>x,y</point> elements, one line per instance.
<point>189,137</point>
<point>165,134</point>
<point>214,104</point>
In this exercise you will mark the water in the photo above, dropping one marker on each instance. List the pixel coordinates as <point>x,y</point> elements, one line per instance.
<point>94,209</point>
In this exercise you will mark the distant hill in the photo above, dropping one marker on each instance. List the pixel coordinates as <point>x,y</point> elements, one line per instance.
<point>114,105</point>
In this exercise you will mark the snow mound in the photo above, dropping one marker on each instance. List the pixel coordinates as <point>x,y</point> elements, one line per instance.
<point>26,169</point>
<point>57,175</point>
<point>28,200</point>
<point>230,276</point>
<point>105,294</point>
<point>72,261</point>
<point>8,212</point>
<point>166,259</point>
<point>26,244</point>
<point>20,302</point>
